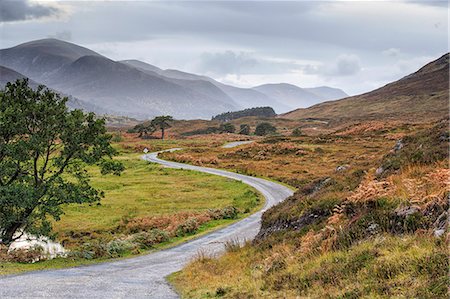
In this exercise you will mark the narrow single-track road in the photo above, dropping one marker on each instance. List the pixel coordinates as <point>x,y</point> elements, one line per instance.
<point>142,276</point>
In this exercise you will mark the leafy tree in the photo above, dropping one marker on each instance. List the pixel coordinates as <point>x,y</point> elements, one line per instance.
<point>44,149</point>
<point>227,128</point>
<point>144,129</point>
<point>265,129</point>
<point>244,129</point>
<point>163,123</point>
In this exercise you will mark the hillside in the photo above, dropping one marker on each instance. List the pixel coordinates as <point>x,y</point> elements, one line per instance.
<point>9,75</point>
<point>243,97</point>
<point>292,96</point>
<point>368,220</point>
<point>115,87</point>
<point>423,94</point>
<point>137,89</point>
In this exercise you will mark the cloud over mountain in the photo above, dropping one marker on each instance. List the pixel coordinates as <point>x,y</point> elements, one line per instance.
<point>21,10</point>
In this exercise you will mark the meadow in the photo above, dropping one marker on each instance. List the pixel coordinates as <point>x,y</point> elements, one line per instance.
<point>148,207</point>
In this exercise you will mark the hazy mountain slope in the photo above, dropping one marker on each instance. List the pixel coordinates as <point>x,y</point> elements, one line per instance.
<point>242,97</point>
<point>39,59</point>
<point>113,86</point>
<point>290,95</point>
<point>134,93</point>
<point>423,94</point>
<point>142,66</point>
<point>197,83</point>
<point>327,93</point>
<point>9,75</point>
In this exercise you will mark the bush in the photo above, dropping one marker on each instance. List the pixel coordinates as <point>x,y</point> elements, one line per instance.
<point>227,128</point>
<point>148,239</point>
<point>117,137</point>
<point>94,249</point>
<point>264,129</point>
<point>297,132</point>
<point>208,130</point>
<point>229,213</point>
<point>188,227</point>
<point>244,129</point>
<point>31,255</point>
<point>118,247</point>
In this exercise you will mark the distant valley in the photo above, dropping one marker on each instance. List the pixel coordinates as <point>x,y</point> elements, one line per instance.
<point>136,89</point>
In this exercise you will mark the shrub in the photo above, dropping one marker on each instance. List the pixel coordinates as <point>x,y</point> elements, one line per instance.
<point>117,137</point>
<point>264,129</point>
<point>232,245</point>
<point>148,239</point>
<point>229,213</point>
<point>118,247</point>
<point>227,128</point>
<point>297,132</point>
<point>94,249</point>
<point>30,255</point>
<point>187,227</point>
<point>244,129</point>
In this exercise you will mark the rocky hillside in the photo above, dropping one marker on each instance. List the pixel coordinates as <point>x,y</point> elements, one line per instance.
<point>421,95</point>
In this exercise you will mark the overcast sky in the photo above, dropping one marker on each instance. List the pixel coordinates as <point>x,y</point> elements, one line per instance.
<point>353,45</point>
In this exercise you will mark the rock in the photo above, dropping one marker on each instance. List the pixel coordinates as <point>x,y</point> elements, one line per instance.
<point>398,145</point>
<point>406,211</point>
<point>373,228</point>
<point>341,168</point>
<point>379,170</point>
<point>441,222</point>
<point>439,232</point>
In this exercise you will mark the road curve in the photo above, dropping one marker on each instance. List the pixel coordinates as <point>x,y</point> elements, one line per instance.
<point>142,276</point>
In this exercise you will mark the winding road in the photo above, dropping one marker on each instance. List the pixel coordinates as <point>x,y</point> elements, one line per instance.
<point>142,276</point>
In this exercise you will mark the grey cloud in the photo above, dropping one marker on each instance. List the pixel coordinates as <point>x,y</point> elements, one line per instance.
<point>227,62</point>
<point>63,35</point>
<point>344,65</point>
<point>391,52</point>
<point>20,10</point>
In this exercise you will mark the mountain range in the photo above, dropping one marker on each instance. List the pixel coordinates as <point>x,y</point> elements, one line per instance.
<point>421,95</point>
<point>138,89</point>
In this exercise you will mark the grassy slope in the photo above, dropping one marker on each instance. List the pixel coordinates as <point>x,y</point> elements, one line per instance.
<point>143,190</point>
<point>359,245</point>
<point>418,97</point>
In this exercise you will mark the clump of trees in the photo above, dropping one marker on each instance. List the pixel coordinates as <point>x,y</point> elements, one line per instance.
<point>258,111</point>
<point>44,150</point>
<point>261,129</point>
<point>158,123</point>
<point>264,129</point>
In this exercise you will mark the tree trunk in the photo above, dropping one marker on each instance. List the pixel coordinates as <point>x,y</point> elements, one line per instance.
<point>162,133</point>
<point>9,232</point>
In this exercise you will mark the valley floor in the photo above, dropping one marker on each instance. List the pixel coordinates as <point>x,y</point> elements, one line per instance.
<point>148,207</point>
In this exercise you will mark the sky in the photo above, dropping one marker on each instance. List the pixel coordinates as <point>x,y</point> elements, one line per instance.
<point>353,45</point>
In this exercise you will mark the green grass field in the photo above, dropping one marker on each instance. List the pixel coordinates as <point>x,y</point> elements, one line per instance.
<point>143,190</point>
